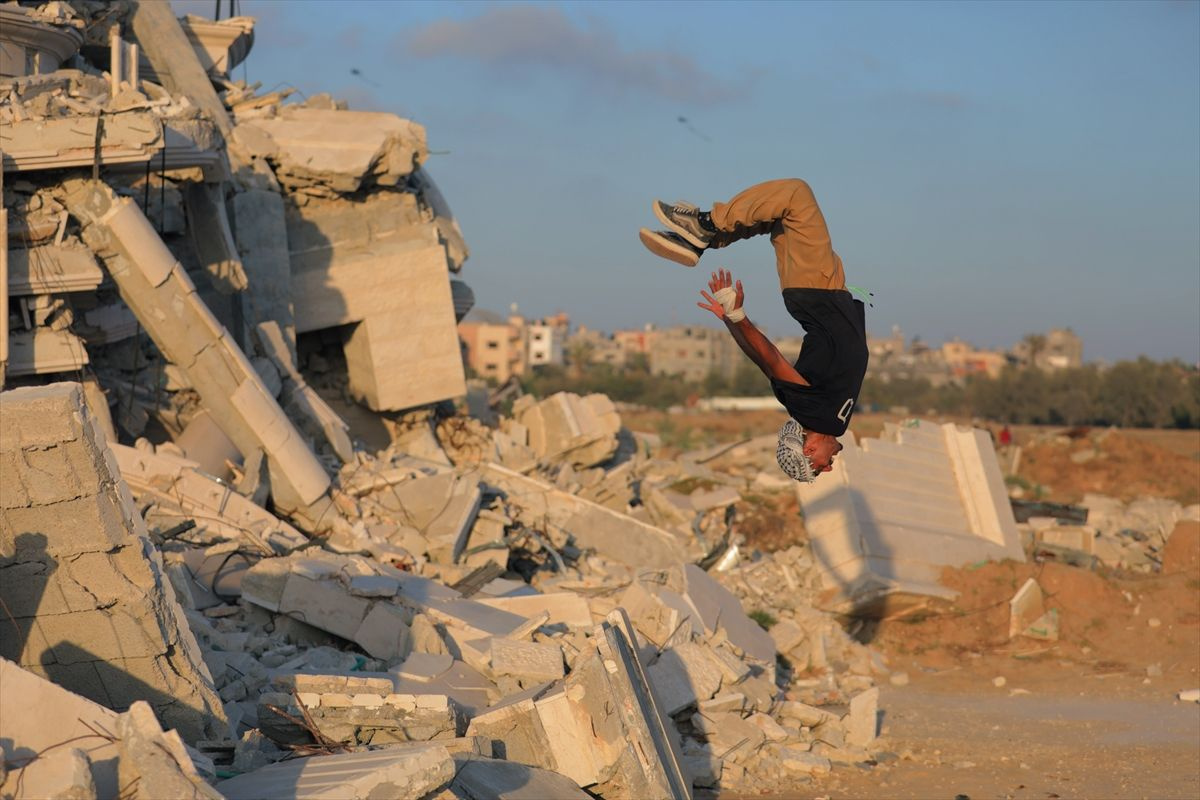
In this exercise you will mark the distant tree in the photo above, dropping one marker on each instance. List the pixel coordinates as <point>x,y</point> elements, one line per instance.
<point>579,356</point>
<point>1035,343</point>
<point>637,362</point>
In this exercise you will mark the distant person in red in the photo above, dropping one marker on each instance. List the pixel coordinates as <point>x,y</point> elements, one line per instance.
<point>1005,436</point>
<point>821,388</point>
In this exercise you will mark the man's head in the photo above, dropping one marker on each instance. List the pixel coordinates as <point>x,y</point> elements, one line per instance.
<point>802,454</point>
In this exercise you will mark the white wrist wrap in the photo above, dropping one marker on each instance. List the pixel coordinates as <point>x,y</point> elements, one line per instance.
<point>727,297</point>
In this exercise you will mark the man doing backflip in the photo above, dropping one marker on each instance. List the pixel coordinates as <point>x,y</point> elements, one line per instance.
<point>820,390</point>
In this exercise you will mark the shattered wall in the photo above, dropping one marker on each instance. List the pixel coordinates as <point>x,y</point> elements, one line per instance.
<point>79,579</point>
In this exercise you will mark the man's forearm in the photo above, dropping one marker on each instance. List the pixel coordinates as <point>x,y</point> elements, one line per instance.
<point>762,351</point>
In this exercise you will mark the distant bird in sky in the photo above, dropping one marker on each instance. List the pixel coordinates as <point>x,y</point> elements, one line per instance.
<point>687,124</point>
<point>358,73</point>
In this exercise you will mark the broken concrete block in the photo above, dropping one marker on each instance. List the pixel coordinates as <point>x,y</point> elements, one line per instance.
<point>729,701</point>
<point>515,729</point>
<point>1028,615</point>
<point>801,762</point>
<point>627,724</point>
<point>27,698</point>
<point>411,770</point>
<point>862,722</point>
<point>156,763</point>
<point>357,710</point>
<point>568,728</point>
<point>528,661</point>
<point>579,430</point>
<point>804,714</point>
<point>565,608</point>
<point>64,774</point>
<point>325,604</point>
<point>384,632</point>
<point>394,360</point>
<point>424,667</point>
<point>1070,537</point>
<point>494,779</point>
<point>771,730</point>
<point>684,675</point>
<point>787,635</point>
<point>729,735</point>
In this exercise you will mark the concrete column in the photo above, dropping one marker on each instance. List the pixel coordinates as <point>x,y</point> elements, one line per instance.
<point>154,285</point>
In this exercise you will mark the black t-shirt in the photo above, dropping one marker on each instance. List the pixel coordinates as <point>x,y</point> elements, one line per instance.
<point>833,359</point>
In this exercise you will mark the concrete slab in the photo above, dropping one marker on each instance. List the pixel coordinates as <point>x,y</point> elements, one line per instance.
<point>493,779</point>
<point>532,661</point>
<point>412,770</point>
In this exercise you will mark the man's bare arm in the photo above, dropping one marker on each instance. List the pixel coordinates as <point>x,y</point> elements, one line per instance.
<point>763,352</point>
<point>754,344</point>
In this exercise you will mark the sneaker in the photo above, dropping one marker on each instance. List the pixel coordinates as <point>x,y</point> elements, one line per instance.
<point>671,246</point>
<point>684,219</point>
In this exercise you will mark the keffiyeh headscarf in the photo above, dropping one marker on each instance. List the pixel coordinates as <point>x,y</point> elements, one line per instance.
<point>790,453</point>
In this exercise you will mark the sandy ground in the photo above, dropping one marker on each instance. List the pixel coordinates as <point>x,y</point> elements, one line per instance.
<point>1054,733</point>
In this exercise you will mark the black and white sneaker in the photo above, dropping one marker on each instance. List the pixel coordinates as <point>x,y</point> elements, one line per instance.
<point>671,246</point>
<point>684,219</point>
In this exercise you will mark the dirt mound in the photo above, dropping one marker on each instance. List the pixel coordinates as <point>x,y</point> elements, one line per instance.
<point>1182,553</point>
<point>1108,622</point>
<point>1112,463</point>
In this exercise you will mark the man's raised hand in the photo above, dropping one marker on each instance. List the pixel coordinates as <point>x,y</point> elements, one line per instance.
<point>726,298</point>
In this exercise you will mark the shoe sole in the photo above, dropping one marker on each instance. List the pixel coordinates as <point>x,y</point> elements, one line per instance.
<point>665,219</point>
<point>664,248</point>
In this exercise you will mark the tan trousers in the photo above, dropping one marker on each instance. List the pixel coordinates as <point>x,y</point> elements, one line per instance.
<point>787,210</point>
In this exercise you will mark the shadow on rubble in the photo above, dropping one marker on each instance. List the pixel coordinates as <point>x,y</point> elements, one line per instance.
<point>854,555</point>
<point>32,618</point>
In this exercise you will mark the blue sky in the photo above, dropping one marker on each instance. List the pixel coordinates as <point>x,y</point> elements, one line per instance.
<point>987,169</point>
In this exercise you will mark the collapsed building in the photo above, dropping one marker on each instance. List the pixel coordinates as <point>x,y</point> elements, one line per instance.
<point>219,592</point>
<point>212,589</point>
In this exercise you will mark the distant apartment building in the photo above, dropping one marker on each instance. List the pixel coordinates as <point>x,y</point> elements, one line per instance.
<point>635,342</point>
<point>545,344</point>
<point>595,347</point>
<point>492,346</point>
<point>885,348</point>
<point>962,359</point>
<point>692,352</point>
<point>1057,348</point>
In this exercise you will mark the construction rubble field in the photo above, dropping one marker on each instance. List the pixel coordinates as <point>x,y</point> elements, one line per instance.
<point>261,538</point>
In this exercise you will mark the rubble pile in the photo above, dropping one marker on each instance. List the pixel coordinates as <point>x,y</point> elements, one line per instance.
<point>191,540</point>
<point>462,605</point>
<point>1117,535</point>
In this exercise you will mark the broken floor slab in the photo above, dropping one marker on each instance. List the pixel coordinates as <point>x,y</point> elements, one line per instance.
<point>402,771</point>
<point>895,510</point>
<point>85,589</point>
<point>611,533</point>
<point>338,151</point>
<point>181,492</point>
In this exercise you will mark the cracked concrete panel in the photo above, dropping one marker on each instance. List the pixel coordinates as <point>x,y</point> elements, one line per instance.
<point>85,589</point>
<point>338,151</point>
<point>158,291</point>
